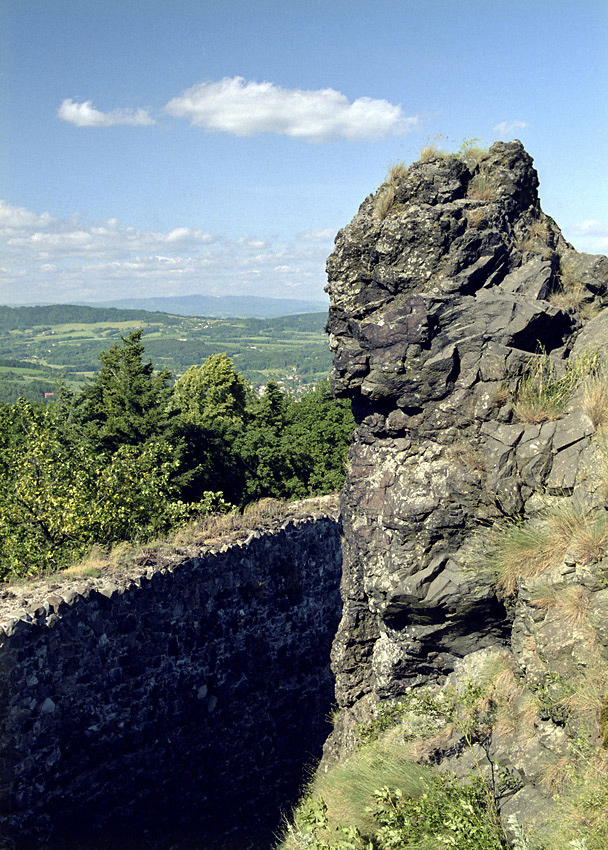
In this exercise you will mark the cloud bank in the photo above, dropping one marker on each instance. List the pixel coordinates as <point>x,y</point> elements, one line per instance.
<point>48,259</point>
<point>85,115</point>
<point>242,108</point>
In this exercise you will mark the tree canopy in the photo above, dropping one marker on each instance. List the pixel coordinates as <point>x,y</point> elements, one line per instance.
<point>134,455</point>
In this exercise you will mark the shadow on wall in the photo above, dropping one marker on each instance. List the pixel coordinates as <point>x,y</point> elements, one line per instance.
<point>177,711</point>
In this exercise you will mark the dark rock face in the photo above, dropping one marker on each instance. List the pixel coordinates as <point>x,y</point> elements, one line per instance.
<point>177,704</point>
<point>437,309</point>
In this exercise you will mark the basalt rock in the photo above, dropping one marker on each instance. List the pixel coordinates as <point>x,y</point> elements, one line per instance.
<point>444,288</point>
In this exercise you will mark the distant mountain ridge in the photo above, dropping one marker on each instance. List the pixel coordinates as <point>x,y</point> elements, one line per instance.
<point>226,306</point>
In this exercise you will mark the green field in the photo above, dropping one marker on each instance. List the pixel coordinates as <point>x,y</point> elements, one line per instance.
<point>41,346</point>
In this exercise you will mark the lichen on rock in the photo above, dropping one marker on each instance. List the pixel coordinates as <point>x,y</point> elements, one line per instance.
<point>440,307</point>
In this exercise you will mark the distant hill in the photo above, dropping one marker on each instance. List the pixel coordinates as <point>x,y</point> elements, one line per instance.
<point>227,306</point>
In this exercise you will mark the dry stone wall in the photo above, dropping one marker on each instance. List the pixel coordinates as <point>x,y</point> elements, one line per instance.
<point>183,699</point>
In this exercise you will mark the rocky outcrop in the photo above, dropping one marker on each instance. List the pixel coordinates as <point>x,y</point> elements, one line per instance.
<point>444,288</point>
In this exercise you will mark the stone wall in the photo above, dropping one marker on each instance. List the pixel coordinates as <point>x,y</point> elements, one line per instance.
<point>182,700</point>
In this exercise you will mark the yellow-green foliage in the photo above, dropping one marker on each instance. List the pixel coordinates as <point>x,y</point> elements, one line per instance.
<point>379,799</point>
<point>348,789</point>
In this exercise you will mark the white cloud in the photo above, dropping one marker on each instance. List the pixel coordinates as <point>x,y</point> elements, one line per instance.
<point>61,259</point>
<point>318,234</point>
<point>589,235</point>
<point>233,105</point>
<point>508,128</point>
<point>85,115</point>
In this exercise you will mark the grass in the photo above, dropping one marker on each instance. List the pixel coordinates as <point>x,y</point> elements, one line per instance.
<point>541,395</point>
<point>571,294</point>
<point>347,791</point>
<point>432,151</point>
<point>571,603</point>
<point>378,799</point>
<point>385,198</point>
<point>477,217</point>
<point>527,550</point>
<point>384,202</point>
<point>397,172</point>
<point>595,401</point>
<point>472,151</point>
<point>481,187</point>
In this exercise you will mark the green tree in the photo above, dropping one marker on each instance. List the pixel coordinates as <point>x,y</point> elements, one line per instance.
<point>209,401</point>
<point>58,495</point>
<point>269,460</point>
<point>210,392</point>
<point>126,402</point>
<point>320,426</point>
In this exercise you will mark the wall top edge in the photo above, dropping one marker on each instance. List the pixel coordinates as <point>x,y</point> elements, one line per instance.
<point>43,600</point>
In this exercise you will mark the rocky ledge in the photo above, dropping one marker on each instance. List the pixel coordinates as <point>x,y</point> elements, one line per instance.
<point>452,295</point>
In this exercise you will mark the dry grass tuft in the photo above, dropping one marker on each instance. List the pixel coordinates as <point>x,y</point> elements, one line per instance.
<point>528,550</point>
<point>558,775</point>
<point>518,716</point>
<point>427,749</point>
<point>472,152</point>
<point>536,238</point>
<point>525,551</point>
<point>468,456</point>
<point>595,401</point>
<point>432,151</point>
<point>569,300</point>
<point>477,217</point>
<point>384,202</point>
<point>572,604</point>
<point>482,187</point>
<point>396,172</point>
<point>542,395</point>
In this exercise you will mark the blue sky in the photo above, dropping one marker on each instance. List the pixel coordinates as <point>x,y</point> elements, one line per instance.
<point>170,147</point>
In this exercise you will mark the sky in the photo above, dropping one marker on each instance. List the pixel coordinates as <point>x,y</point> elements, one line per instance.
<point>175,147</point>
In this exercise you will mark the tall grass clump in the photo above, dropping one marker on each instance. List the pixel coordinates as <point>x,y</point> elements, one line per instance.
<point>472,151</point>
<point>379,799</point>
<point>542,395</point>
<point>529,549</point>
<point>595,401</point>
<point>384,202</point>
<point>481,187</point>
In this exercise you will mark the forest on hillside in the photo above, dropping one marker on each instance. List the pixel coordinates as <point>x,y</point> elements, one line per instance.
<point>133,454</point>
<point>41,346</point>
